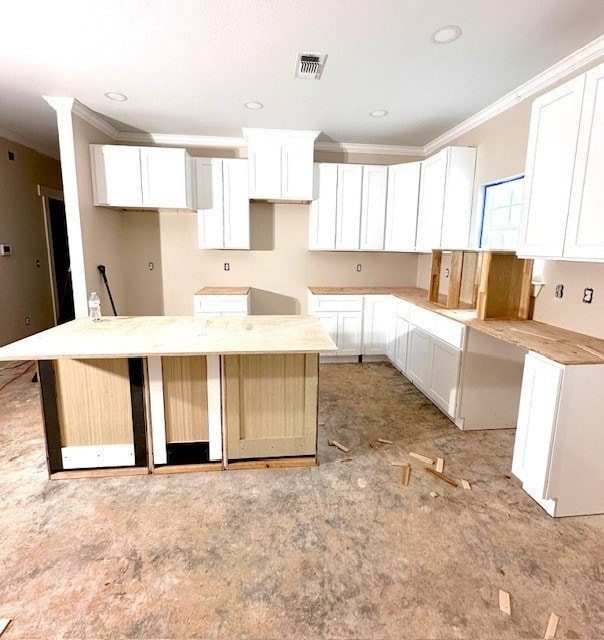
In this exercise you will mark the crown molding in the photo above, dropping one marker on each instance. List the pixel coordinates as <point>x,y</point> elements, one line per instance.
<point>214,142</point>
<point>82,111</point>
<point>372,149</point>
<point>556,72</point>
<point>30,144</point>
<point>279,133</point>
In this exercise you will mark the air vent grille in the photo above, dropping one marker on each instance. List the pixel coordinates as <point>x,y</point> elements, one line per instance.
<point>309,65</point>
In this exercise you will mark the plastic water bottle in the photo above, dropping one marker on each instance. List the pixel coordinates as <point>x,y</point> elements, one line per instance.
<point>94,307</point>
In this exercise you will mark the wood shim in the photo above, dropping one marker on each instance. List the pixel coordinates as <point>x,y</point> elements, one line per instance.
<point>4,622</point>
<point>505,604</point>
<point>442,477</point>
<point>396,463</point>
<point>440,465</point>
<point>552,626</point>
<point>433,494</point>
<point>466,485</point>
<point>321,423</point>
<point>346,460</point>
<point>384,441</point>
<point>377,449</point>
<point>338,445</point>
<point>406,475</point>
<point>422,458</point>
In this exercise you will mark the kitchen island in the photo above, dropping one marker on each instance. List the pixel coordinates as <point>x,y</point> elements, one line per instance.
<point>167,394</point>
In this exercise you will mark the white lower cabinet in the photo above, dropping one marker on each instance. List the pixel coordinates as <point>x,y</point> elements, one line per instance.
<point>559,437</point>
<point>342,318</point>
<point>400,342</point>
<point>221,305</point>
<point>378,327</point>
<point>444,363</point>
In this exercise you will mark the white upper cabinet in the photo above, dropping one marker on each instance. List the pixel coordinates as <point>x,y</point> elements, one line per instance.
<point>348,206</point>
<point>141,177</point>
<point>322,227</point>
<point>373,208</point>
<point>445,199</point>
<point>223,216</point>
<point>280,164</point>
<point>401,206</point>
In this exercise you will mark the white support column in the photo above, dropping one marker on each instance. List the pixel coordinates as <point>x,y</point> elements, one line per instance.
<point>157,417</point>
<point>214,406</point>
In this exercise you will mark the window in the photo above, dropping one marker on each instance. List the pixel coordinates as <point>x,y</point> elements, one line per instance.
<point>501,214</point>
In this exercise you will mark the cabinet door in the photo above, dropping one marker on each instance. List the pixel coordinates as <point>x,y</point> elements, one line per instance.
<point>401,206</point>
<point>297,171</point>
<point>350,182</point>
<point>236,204</point>
<point>210,211</point>
<point>373,208</point>
<point>350,324</point>
<point>400,344</point>
<point>377,324</point>
<point>329,321</point>
<point>585,229</point>
<point>537,413</point>
<point>322,228</point>
<point>116,176</point>
<point>164,178</point>
<point>265,170</point>
<point>459,192</point>
<point>550,162</point>
<point>444,375</point>
<point>431,202</point>
<point>418,357</point>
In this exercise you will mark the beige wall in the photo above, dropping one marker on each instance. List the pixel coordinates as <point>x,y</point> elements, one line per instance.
<point>24,288</point>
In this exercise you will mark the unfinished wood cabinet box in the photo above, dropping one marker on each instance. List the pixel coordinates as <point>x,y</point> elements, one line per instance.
<point>463,280</point>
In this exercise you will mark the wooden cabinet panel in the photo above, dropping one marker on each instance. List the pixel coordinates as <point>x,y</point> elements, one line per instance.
<point>445,361</point>
<point>418,364</point>
<point>210,210</point>
<point>271,405</point>
<point>116,172</point>
<point>373,208</point>
<point>431,202</point>
<point>378,315</point>
<point>322,227</point>
<point>297,171</point>
<point>350,183</point>
<point>401,207</point>
<point>400,344</point>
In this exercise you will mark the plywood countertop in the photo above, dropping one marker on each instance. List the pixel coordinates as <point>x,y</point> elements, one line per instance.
<point>560,345</point>
<point>166,335</point>
<point>223,291</point>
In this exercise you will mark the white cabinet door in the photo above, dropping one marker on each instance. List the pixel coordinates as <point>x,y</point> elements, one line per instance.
<point>377,324</point>
<point>373,207</point>
<point>431,202</point>
<point>401,206</point>
<point>236,204</point>
<point>418,363</point>
<point>350,182</point>
<point>585,228</point>
<point>550,164</point>
<point>297,171</point>
<point>164,178</point>
<point>459,193</point>
<point>210,211</point>
<point>350,325</point>
<point>400,344</point>
<point>265,170</point>
<point>116,175</point>
<point>322,227</point>
<point>444,363</point>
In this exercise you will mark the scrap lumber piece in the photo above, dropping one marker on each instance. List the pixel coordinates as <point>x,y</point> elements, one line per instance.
<point>338,445</point>
<point>466,485</point>
<point>321,423</point>
<point>4,622</point>
<point>422,458</point>
<point>406,474</point>
<point>346,460</point>
<point>384,441</point>
<point>440,465</point>
<point>442,476</point>
<point>377,449</point>
<point>396,463</point>
<point>433,494</point>
<point>552,626</point>
<point>504,602</point>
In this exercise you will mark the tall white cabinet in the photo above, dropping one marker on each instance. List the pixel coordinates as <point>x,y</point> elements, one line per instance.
<point>401,206</point>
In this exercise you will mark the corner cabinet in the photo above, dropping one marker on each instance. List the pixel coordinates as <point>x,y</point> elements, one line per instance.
<point>142,177</point>
<point>559,437</point>
<point>223,216</point>
<point>565,161</point>
<point>342,318</point>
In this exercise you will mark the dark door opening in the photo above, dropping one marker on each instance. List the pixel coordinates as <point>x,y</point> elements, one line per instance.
<point>61,264</point>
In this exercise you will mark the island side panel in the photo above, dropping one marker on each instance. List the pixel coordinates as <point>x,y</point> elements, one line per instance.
<point>271,405</point>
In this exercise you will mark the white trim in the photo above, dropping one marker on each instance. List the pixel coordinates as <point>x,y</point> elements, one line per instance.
<point>279,133</point>
<point>49,192</point>
<point>377,149</point>
<point>212,142</point>
<point>30,144</point>
<point>96,456</point>
<point>214,406</point>
<point>543,80</point>
<point>82,111</point>
<point>156,409</point>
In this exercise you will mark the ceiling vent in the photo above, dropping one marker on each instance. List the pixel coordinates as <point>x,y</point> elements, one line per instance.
<point>309,65</point>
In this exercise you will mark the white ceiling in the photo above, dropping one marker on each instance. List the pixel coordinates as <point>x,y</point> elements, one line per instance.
<point>188,66</point>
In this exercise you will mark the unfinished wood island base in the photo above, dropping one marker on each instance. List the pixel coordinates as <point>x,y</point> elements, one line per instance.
<point>131,396</point>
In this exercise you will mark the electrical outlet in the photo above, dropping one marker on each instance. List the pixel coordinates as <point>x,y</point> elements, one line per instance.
<point>11,156</point>
<point>559,290</point>
<point>359,267</point>
<point>27,320</point>
<point>227,266</point>
<point>38,264</point>
<point>5,250</point>
<point>151,266</point>
<point>588,295</point>
<point>446,273</point>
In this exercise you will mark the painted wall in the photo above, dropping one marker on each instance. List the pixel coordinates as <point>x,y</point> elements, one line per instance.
<point>24,288</point>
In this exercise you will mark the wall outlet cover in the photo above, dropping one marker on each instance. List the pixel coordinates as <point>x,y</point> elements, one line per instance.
<point>559,290</point>
<point>588,295</point>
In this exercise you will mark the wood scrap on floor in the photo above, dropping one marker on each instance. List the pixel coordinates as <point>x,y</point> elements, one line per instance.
<point>433,494</point>
<point>4,622</point>
<point>440,465</point>
<point>321,423</point>
<point>466,485</point>
<point>346,460</point>
<point>377,449</point>
<point>397,463</point>
<point>442,476</point>
<point>338,445</point>
<point>384,441</point>
<point>505,604</point>
<point>552,626</point>
<point>422,458</point>
<point>406,474</point>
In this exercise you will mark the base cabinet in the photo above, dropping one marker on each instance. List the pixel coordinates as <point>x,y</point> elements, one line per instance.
<point>418,365</point>
<point>444,363</point>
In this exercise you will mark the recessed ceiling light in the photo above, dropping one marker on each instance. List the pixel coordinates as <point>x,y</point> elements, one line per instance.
<point>446,34</point>
<point>115,96</point>
<point>253,105</point>
<point>379,113</point>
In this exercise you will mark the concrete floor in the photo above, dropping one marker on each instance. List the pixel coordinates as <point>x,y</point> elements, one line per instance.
<point>339,551</point>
